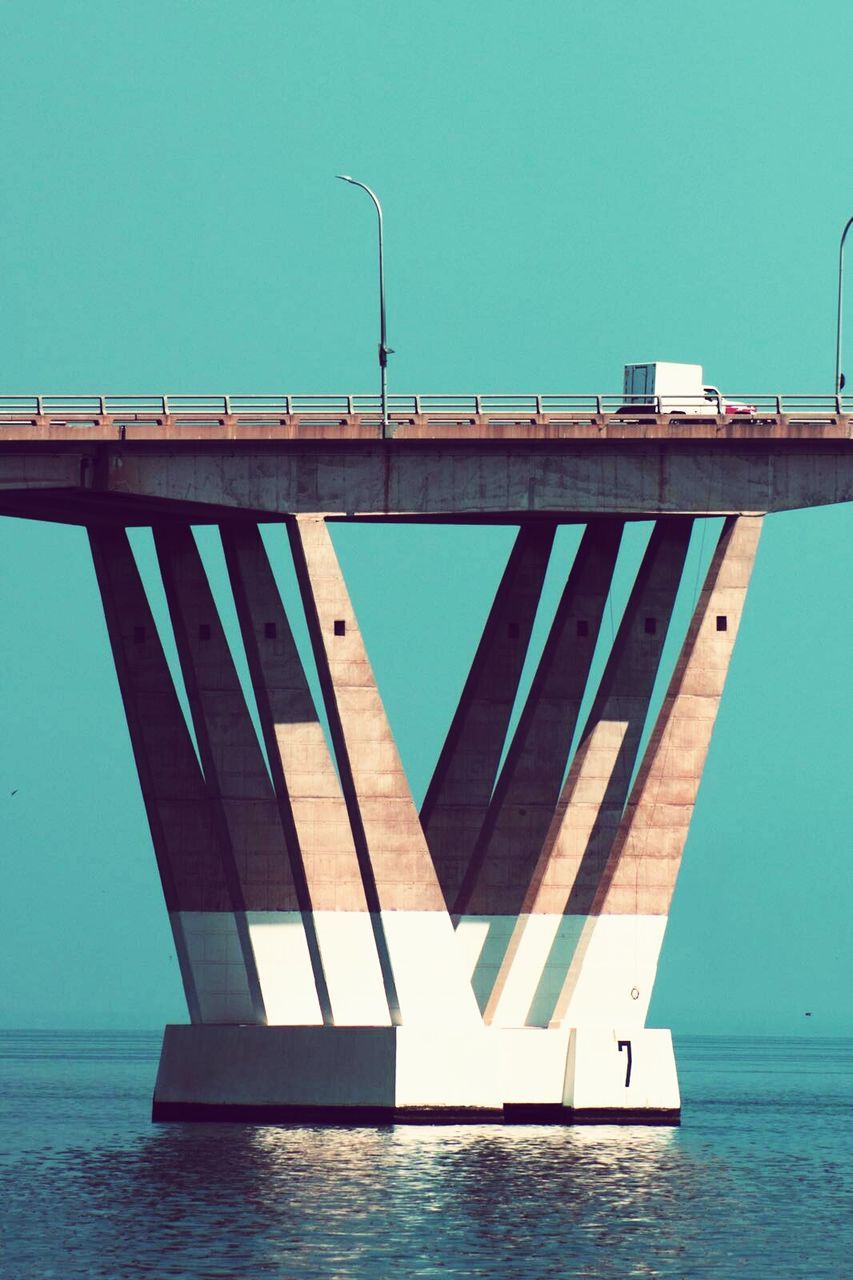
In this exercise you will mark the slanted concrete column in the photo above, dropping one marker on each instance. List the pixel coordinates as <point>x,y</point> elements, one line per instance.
<point>199,879</point>
<point>612,974</point>
<point>584,824</point>
<point>522,806</point>
<point>240,788</point>
<point>310,800</point>
<point>460,789</point>
<point>413,929</point>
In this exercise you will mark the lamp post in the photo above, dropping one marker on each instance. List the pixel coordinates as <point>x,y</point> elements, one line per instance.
<point>839,376</point>
<point>384,350</point>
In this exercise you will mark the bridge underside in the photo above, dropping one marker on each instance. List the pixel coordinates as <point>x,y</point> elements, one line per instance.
<point>72,478</point>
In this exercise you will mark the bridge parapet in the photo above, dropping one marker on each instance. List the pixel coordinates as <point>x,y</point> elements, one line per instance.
<point>52,417</point>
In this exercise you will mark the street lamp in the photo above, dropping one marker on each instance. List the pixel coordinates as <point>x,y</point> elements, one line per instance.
<point>839,376</point>
<point>384,350</point>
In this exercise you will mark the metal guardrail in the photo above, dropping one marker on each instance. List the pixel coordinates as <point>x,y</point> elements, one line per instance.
<point>149,407</point>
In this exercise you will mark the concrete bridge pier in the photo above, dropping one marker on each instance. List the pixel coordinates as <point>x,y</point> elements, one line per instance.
<point>346,958</point>
<point>343,955</point>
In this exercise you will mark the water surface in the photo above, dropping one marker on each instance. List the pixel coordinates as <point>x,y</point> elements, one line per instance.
<point>758,1181</point>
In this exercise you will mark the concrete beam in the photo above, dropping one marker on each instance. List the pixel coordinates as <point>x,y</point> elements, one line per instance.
<point>240,789</point>
<point>586,819</point>
<point>613,969</point>
<point>522,805</point>
<point>675,473</point>
<point>521,808</point>
<point>451,478</point>
<point>311,803</point>
<point>461,786</point>
<point>199,879</point>
<point>413,930</point>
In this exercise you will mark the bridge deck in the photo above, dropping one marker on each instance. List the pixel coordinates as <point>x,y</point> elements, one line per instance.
<point>141,459</point>
<point>57,425</point>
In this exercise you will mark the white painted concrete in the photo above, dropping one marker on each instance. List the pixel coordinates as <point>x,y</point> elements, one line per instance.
<point>471,933</point>
<point>361,1066</point>
<point>457,1068</point>
<point>283,963</point>
<point>532,1064</point>
<point>484,1067</point>
<point>522,968</point>
<point>481,1067</point>
<point>611,978</point>
<point>531,953</point>
<point>557,965</point>
<point>621,1068</point>
<point>277,1066</point>
<point>216,959</point>
<point>351,965</point>
<point>483,941</point>
<point>433,987</point>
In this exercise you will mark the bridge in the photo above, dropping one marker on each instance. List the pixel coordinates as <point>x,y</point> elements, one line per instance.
<point>344,956</point>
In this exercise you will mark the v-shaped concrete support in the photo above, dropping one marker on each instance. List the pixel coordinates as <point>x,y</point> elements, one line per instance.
<point>240,789</point>
<point>413,929</point>
<point>200,881</point>
<point>585,820</point>
<point>301,885</point>
<point>522,806</point>
<point>612,972</point>
<point>459,792</point>
<point>311,803</point>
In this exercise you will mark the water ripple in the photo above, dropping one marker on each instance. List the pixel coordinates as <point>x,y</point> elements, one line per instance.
<point>757,1182</point>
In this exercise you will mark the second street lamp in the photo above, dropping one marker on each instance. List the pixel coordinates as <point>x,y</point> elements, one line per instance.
<point>839,376</point>
<point>384,350</point>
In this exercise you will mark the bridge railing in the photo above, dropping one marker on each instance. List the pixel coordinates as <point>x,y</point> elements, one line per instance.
<point>448,407</point>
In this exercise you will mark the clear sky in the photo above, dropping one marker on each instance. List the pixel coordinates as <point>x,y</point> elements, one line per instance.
<point>567,187</point>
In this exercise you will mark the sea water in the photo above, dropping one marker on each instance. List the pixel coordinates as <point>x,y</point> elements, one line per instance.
<point>757,1181</point>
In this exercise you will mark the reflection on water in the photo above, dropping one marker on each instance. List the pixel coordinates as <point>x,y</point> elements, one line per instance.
<point>757,1181</point>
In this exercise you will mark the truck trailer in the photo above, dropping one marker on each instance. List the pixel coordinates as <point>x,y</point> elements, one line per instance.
<point>662,386</point>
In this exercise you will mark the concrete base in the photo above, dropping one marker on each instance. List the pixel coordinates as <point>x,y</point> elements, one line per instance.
<point>612,1071</point>
<point>370,1075</point>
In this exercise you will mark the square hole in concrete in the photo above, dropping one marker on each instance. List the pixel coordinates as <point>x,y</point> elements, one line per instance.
<point>582,627</point>
<point>204,631</point>
<point>722,622</point>
<point>340,627</point>
<point>269,631</point>
<point>651,626</point>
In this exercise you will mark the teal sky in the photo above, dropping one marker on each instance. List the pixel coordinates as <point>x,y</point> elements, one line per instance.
<point>567,187</point>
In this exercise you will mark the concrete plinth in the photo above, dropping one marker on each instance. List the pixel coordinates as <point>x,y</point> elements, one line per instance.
<point>368,1075</point>
<point>611,1072</point>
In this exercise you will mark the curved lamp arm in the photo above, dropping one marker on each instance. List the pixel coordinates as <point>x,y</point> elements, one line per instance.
<point>384,350</point>
<point>838,373</point>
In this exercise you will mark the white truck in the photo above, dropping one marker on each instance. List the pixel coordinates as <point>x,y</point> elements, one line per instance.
<point>664,387</point>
